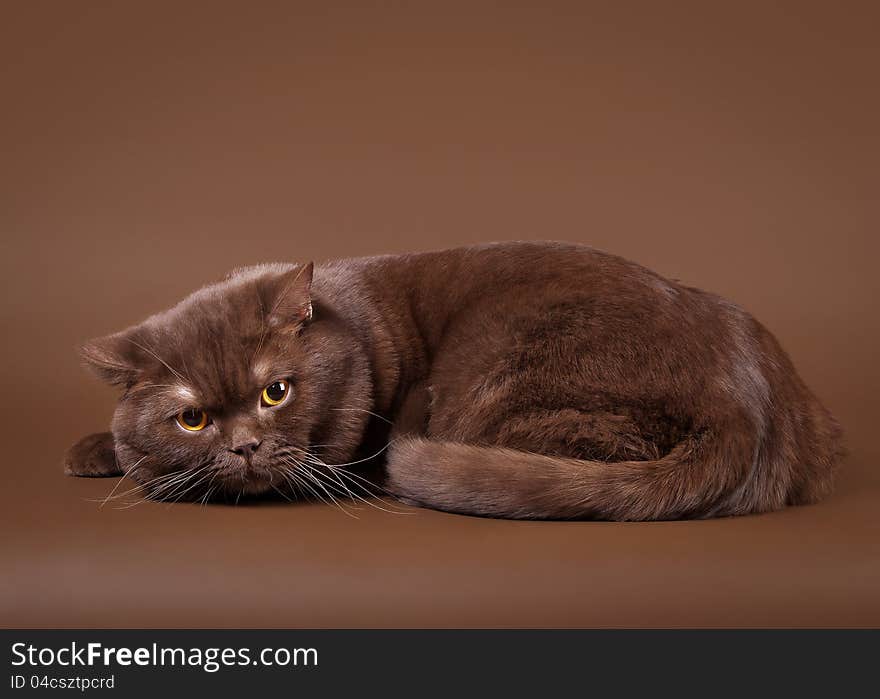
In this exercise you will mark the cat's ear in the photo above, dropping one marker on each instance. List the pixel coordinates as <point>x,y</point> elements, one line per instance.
<point>113,358</point>
<point>292,305</point>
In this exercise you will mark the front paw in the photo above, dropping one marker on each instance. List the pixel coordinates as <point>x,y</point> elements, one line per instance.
<point>92,457</point>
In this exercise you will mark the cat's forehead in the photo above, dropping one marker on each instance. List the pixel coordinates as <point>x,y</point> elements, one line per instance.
<point>206,391</point>
<point>224,373</point>
<point>216,346</point>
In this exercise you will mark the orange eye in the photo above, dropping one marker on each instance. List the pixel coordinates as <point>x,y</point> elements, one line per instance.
<point>192,420</point>
<point>275,393</point>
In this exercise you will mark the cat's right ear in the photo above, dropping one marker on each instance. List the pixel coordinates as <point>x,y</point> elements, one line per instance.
<point>292,305</point>
<point>113,359</point>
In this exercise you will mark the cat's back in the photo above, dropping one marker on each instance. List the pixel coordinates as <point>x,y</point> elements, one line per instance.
<point>542,270</point>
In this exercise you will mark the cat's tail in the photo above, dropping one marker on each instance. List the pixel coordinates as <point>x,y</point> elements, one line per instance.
<point>704,475</point>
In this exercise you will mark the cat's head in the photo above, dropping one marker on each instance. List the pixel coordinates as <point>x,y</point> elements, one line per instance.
<point>240,389</point>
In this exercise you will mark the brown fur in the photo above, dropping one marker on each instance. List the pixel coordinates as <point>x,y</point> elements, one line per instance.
<point>531,380</point>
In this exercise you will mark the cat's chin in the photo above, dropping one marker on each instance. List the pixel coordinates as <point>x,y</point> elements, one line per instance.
<point>249,480</point>
<point>255,487</point>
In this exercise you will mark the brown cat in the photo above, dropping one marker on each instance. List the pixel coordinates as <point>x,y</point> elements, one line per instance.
<point>527,380</point>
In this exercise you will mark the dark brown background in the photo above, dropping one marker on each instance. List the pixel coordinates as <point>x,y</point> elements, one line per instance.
<point>148,147</point>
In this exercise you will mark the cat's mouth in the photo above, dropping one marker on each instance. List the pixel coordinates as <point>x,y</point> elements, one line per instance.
<point>246,478</point>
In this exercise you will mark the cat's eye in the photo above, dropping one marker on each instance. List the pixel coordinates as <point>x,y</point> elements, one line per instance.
<point>192,420</point>
<point>275,393</point>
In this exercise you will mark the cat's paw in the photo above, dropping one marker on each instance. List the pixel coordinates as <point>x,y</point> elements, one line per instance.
<point>92,457</point>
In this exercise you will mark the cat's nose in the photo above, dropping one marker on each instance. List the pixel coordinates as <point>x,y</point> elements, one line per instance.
<point>246,447</point>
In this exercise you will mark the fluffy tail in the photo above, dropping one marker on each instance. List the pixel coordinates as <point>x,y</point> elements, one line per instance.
<point>702,476</point>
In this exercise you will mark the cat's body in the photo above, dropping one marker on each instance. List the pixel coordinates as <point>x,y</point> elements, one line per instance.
<point>531,380</point>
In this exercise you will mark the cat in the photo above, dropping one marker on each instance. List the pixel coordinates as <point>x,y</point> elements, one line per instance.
<point>514,380</point>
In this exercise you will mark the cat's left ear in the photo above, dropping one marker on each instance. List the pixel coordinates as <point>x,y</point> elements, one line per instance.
<point>292,307</point>
<point>114,358</point>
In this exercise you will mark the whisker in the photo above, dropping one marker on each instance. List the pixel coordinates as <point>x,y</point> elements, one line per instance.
<point>368,412</point>
<point>364,482</point>
<point>119,482</point>
<point>294,486</point>
<point>366,458</point>
<point>304,485</point>
<point>341,473</point>
<point>167,365</point>
<point>309,475</point>
<point>139,486</point>
<point>189,488</point>
<point>208,493</point>
<point>376,497</point>
<point>211,488</point>
<point>262,331</point>
<point>166,490</point>
<point>280,492</point>
<point>172,479</point>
